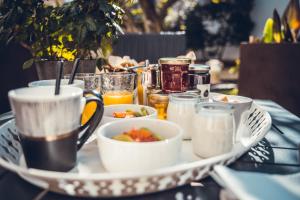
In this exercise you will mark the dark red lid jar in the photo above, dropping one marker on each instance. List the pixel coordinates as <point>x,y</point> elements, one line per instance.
<point>174,74</point>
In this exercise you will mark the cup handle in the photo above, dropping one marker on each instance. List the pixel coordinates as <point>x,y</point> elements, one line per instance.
<point>92,92</point>
<point>93,122</point>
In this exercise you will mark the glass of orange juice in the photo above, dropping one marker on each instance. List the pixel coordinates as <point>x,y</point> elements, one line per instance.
<point>118,88</point>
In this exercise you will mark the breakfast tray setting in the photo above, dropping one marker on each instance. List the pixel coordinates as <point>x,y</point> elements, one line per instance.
<point>90,179</point>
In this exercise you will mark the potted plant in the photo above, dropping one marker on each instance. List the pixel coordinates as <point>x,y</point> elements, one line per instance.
<point>77,29</point>
<point>270,65</point>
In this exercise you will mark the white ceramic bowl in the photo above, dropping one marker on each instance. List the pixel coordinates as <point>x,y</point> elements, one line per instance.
<point>51,82</point>
<point>119,156</point>
<point>239,103</point>
<point>109,110</point>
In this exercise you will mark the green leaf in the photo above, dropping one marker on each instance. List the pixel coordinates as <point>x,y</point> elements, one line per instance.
<point>82,33</point>
<point>292,14</point>
<point>27,64</point>
<point>90,24</point>
<point>118,27</point>
<point>288,37</point>
<point>268,31</point>
<point>277,33</point>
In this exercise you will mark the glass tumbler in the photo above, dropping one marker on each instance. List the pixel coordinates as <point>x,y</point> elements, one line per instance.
<point>91,80</point>
<point>118,88</point>
<point>214,129</point>
<point>92,83</point>
<point>159,101</point>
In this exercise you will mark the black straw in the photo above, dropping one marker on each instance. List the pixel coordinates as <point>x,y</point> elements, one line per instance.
<point>74,70</point>
<point>58,76</point>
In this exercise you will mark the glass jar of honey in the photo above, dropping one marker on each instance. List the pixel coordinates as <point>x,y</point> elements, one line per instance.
<point>174,74</point>
<point>159,101</point>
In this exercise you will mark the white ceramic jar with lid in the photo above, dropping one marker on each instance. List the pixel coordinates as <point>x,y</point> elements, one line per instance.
<point>214,129</point>
<point>181,110</point>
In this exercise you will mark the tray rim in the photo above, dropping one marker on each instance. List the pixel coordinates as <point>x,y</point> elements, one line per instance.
<point>30,172</point>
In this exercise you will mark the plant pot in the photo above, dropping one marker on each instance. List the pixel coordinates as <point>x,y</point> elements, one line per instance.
<point>271,71</point>
<point>47,69</point>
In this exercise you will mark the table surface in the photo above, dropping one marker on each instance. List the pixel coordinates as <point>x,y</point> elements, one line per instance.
<point>283,157</point>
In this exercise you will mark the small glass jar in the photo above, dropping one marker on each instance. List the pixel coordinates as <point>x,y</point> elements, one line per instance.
<point>199,79</point>
<point>181,110</point>
<point>91,81</point>
<point>174,74</point>
<point>214,129</point>
<point>151,77</point>
<point>158,100</point>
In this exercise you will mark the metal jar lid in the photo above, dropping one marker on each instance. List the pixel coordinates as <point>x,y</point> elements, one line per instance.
<point>175,61</point>
<point>200,68</point>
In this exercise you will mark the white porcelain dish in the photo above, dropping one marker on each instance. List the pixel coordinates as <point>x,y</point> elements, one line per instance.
<point>109,110</point>
<point>90,179</point>
<point>120,156</point>
<point>239,103</point>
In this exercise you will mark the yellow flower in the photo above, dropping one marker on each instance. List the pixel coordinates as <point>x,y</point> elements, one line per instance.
<point>60,50</point>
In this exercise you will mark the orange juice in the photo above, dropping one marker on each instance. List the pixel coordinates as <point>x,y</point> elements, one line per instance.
<point>118,97</point>
<point>140,88</point>
<point>140,91</point>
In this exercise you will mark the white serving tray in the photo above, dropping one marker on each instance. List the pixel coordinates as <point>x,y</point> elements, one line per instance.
<point>90,179</point>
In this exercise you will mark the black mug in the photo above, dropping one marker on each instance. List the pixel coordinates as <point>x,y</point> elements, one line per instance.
<point>50,127</point>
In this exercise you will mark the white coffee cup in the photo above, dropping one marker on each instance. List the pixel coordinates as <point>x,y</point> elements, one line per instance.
<point>49,125</point>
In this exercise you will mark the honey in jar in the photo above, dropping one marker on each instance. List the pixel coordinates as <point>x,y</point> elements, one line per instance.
<point>160,102</point>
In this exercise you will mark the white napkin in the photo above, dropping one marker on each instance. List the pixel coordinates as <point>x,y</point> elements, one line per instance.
<point>252,185</point>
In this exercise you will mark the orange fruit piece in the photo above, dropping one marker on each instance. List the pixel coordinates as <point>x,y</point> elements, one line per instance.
<point>88,112</point>
<point>119,114</point>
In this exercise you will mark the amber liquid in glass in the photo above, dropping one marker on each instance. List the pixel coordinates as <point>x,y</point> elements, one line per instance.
<point>160,103</point>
